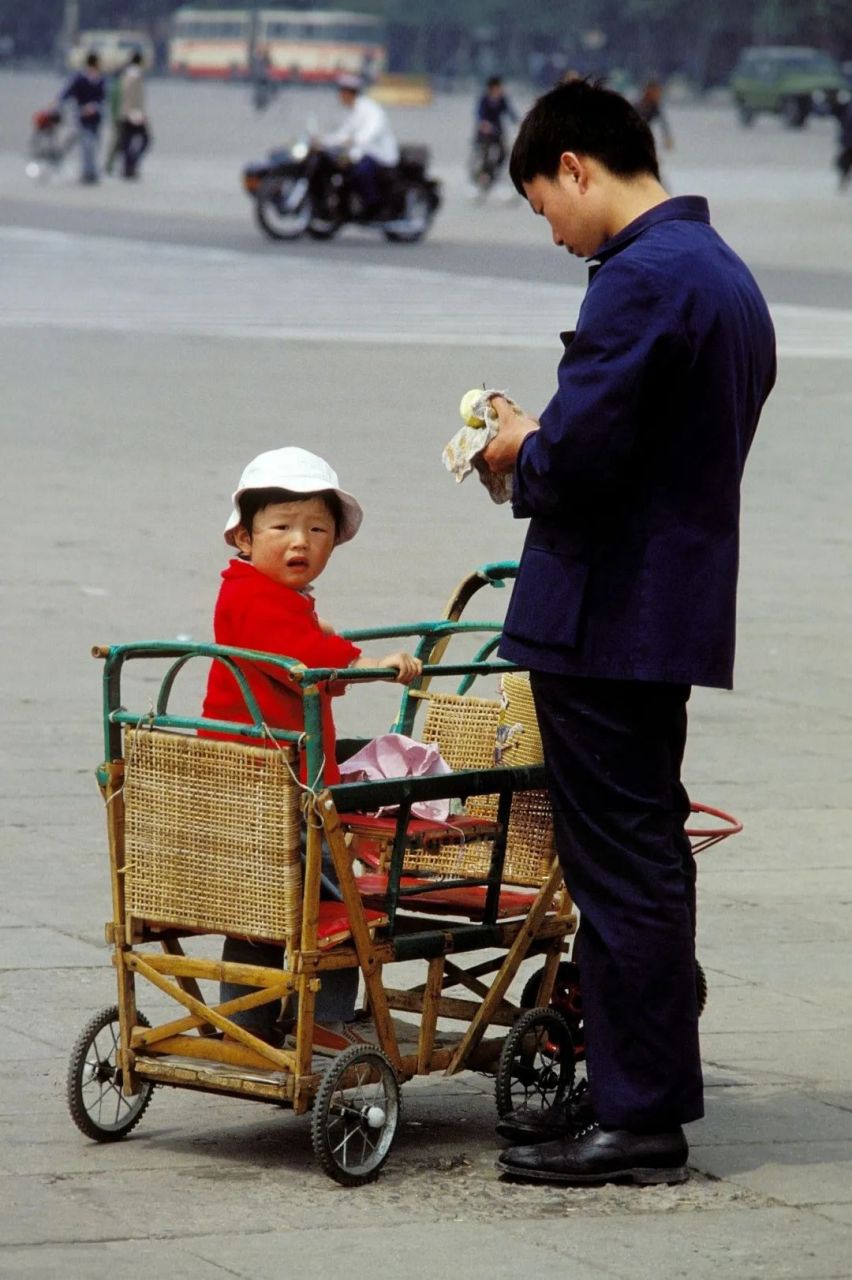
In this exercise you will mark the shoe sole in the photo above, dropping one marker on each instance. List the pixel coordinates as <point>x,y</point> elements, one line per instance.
<point>529,1137</point>
<point>638,1177</point>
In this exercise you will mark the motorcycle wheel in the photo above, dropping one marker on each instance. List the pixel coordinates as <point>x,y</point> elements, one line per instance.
<point>419,210</point>
<point>284,208</point>
<point>323,228</point>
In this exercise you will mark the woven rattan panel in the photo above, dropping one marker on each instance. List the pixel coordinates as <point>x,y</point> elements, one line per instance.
<point>212,835</point>
<point>518,734</point>
<point>466,730</point>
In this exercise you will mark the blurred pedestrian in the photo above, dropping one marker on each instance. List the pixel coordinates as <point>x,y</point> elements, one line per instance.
<point>132,119</point>
<point>843,111</point>
<point>86,90</point>
<point>650,108</point>
<point>114,105</point>
<point>262,84</point>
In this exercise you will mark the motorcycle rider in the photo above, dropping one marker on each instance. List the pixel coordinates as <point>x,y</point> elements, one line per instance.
<point>491,108</point>
<point>365,132</point>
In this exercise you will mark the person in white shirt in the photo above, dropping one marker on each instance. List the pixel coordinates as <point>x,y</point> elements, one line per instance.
<point>366,133</point>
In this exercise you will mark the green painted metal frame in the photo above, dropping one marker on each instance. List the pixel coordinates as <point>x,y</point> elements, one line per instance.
<point>403,792</point>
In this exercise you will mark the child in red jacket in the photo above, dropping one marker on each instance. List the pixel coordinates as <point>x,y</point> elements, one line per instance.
<point>289,513</point>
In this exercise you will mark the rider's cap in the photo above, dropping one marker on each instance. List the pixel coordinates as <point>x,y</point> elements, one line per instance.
<point>346,80</point>
<point>300,472</point>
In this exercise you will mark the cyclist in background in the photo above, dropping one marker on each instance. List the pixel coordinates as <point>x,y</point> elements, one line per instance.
<point>489,140</point>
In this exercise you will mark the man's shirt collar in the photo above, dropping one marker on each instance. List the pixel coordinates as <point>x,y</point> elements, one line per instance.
<point>682,208</point>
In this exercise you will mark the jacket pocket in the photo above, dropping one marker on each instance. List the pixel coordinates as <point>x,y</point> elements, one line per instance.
<point>547,600</point>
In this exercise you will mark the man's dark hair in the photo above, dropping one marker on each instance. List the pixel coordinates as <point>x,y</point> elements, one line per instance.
<point>136,58</point>
<point>255,500</point>
<point>493,81</point>
<point>589,120</point>
<point>92,60</point>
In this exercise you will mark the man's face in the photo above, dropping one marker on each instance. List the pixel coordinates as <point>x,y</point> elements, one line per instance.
<point>290,542</point>
<point>347,97</point>
<point>570,204</point>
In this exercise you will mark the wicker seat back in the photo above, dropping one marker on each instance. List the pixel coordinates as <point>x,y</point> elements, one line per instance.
<point>467,732</point>
<point>212,835</point>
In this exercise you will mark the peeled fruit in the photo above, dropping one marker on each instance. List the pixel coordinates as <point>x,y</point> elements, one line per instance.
<point>466,408</point>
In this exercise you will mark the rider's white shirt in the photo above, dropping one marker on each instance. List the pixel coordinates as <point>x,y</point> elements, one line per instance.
<point>365,130</point>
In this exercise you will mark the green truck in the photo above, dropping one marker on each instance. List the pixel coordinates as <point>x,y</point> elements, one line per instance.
<point>786,80</point>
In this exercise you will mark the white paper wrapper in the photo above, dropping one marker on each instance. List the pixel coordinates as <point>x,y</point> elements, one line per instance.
<point>459,456</point>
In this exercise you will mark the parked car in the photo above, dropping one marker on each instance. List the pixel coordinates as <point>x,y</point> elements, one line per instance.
<point>786,80</point>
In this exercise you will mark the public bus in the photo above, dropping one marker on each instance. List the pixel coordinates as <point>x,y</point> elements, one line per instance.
<point>214,43</point>
<point>300,45</point>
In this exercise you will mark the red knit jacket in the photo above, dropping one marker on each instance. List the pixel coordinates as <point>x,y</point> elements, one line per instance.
<point>254,612</point>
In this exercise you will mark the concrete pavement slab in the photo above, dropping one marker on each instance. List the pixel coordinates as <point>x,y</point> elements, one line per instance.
<point>137,431</point>
<point>795,1173</point>
<point>124,1260</point>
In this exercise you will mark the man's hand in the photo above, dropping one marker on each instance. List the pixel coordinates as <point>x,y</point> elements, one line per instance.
<point>501,454</point>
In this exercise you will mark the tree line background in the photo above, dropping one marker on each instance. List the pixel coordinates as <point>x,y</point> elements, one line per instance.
<point>694,38</point>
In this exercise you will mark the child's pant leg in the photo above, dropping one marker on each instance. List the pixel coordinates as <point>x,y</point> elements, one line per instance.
<point>337,996</point>
<point>335,1000</point>
<point>259,1021</point>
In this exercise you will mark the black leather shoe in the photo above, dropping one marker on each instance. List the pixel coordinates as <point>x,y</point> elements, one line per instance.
<point>562,1120</point>
<point>598,1155</point>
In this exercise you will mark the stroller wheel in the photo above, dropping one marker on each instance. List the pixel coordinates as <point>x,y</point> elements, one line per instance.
<point>537,1062</point>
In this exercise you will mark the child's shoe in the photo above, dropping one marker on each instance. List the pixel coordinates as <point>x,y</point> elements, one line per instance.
<point>334,1037</point>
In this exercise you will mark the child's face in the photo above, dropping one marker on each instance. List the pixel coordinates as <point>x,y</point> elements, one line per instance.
<point>290,542</point>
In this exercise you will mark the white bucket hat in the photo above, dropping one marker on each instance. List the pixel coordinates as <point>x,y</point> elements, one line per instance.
<point>300,472</point>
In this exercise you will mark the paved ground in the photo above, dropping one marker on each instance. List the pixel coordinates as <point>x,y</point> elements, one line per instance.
<point>150,343</point>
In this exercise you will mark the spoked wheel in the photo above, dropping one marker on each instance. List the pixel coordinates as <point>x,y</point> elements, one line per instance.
<point>284,208</point>
<point>484,162</point>
<point>97,1104</point>
<point>356,1114</point>
<point>537,1062</point>
<point>419,210</point>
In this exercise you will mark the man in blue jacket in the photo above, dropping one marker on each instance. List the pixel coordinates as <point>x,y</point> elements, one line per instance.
<point>86,90</point>
<point>625,598</point>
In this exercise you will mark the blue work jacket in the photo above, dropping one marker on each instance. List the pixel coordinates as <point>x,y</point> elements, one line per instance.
<point>85,92</point>
<point>632,484</point>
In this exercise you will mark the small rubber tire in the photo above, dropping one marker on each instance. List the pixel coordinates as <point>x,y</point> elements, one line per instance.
<point>745,114</point>
<point>420,204</point>
<point>567,980</point>
<point>794,112</point>
<point>537,1033</point>
<point>338,1116</point>
<point>323,228</point>
<point>268,213</point>
<point>104,1070</point>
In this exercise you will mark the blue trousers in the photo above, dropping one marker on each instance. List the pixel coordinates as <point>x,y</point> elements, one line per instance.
<point>89,144</point>
<point>365,176</point>
<point>613,751</point>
